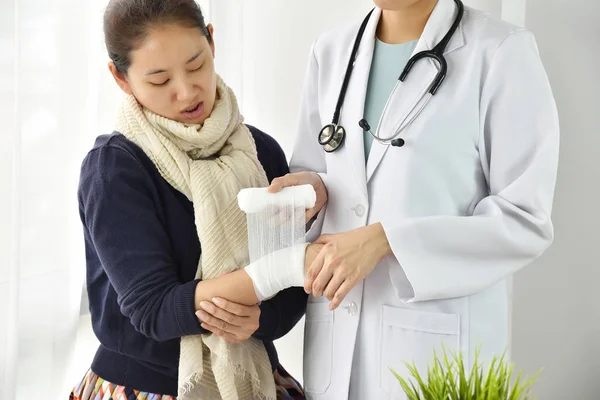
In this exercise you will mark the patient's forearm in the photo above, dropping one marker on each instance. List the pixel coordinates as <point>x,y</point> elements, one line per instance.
<point>238,287</point>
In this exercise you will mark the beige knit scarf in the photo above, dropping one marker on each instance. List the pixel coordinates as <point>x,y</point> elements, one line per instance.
<point>210,163</point>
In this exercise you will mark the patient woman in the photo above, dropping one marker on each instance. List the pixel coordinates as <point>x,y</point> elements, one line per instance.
<point>163,230</point>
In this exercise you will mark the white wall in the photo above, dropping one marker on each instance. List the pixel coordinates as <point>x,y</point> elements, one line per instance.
<point>556,309</point>
<point>8,247</point>
<point>556,322</point>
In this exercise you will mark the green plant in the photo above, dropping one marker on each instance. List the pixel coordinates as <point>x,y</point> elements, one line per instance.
<point>447,379</point>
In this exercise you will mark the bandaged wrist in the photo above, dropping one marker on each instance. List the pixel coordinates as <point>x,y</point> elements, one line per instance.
<point>278,271</point>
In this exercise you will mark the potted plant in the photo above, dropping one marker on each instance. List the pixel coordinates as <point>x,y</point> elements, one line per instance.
<point>447,379</point>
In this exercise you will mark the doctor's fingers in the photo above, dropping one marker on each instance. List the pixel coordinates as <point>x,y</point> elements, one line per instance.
<point>322,280</point>
<point>287,180</point>
<point>333,269</point>
<point>314,270</point>
<point>333,286</point>
<point>340,295</point>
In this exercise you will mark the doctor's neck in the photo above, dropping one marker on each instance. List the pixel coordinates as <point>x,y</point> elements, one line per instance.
<point>405,22</point>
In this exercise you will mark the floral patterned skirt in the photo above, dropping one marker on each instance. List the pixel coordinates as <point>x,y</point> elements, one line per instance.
<point>92,387</point>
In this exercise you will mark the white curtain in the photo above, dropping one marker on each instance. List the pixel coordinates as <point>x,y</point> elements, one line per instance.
<point>50,92</point>
<point>56,96</point>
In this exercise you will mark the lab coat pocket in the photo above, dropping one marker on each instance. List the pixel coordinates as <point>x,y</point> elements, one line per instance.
<point>412,336</point>
<point>318,348</point>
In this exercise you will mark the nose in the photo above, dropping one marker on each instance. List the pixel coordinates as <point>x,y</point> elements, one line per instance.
<point>185,91</point>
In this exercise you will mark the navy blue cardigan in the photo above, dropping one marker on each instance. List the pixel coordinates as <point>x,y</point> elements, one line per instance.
<point>142,253</point>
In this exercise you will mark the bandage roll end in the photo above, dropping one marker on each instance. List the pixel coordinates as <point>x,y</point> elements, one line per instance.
<point>253,200</point>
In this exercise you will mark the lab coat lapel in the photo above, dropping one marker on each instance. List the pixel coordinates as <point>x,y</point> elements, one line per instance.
<point>354,104</point>
<point>411,96</point>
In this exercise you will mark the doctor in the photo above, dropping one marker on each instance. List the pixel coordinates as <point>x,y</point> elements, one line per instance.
<point>425,223</point>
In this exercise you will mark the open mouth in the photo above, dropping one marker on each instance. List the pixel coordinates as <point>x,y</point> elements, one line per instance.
<point>191,110</point>
<point>194,112</point>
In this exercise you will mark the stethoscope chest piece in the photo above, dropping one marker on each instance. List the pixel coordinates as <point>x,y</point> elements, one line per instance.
<point>332,137</point>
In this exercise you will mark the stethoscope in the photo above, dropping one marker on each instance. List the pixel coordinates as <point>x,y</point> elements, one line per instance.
<point>332,136</point>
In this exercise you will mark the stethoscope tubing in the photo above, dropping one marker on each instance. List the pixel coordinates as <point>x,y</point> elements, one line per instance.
<point>338,133</point>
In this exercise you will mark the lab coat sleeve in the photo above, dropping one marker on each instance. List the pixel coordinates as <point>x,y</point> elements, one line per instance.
<point>307,154</point>
<point>454,256</point>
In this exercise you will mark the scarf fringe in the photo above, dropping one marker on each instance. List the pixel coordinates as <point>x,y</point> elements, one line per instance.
<point>196,379</point>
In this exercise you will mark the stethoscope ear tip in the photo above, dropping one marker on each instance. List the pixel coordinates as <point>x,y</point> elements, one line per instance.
<point>399,142</point>
<point>364,125</point>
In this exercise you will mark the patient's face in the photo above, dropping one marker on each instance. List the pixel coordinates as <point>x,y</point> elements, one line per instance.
<point>172,73</point>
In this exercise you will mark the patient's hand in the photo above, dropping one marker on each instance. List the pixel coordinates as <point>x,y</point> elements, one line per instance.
<point>233,322</point>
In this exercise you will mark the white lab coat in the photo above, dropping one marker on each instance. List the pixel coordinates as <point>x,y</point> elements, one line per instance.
<point>465,203</point>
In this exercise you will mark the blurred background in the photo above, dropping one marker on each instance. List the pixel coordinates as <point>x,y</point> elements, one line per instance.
<point>56,96</point>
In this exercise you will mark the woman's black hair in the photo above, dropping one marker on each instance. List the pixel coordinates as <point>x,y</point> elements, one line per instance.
<point>126,24</point>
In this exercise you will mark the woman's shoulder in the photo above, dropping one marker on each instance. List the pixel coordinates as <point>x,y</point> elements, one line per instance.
<point>115,142</point>
<point>264,140</point>
<point>112,158</point>
<point>270,153</point>
<point>117,147</point>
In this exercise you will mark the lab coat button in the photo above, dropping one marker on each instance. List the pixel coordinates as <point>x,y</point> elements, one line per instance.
<point>352,308</point>
<point>359,210</point>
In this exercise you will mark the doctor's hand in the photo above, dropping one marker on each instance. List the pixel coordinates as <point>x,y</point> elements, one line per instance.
<point>303,178</point>
<point>344,261</point>
<point>234,322</point>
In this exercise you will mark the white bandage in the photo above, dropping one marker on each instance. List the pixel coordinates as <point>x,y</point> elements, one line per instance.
<point>277,271</point>
<point>276,236</point>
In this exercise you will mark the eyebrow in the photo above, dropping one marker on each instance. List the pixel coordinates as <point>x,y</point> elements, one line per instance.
<point>160,71</point>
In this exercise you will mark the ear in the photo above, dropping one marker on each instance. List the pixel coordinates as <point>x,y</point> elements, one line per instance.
<point>211,30</point>
<point>120,78</point>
